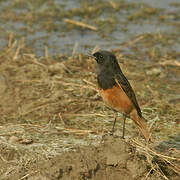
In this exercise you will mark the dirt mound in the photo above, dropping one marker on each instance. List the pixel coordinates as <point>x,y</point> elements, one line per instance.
<point>113,159</point>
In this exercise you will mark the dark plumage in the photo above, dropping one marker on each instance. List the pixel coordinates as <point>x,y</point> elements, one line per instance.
<point>108,71</point>
<point>116,90</point>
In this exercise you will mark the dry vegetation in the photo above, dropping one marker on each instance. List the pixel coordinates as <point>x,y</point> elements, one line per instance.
<point>53,123</point>
<point>48,107</point>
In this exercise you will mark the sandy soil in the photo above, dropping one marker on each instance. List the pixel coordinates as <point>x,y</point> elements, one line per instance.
<point>113,159</point>
<point>48,132</point>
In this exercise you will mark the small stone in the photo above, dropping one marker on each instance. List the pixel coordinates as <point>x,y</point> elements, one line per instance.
<point>13,139</point>
<point>154,71</point>
<point>26,141</point>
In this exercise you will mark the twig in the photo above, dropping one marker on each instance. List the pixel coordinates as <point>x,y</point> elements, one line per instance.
<point>95,49</point>
<point>85,115</point>
<point>130,43</point>
<point>62,120</point>
<point>40,106</point>
<point>35,61</point>
<point>75,84</point>
<point>153,122</point>
<point>20,46</point>
<point>113,4</point>
<point>172,63</point>
<point>153,152</point>
<point>90,83</point>
<point>152,168</point>
<point>78,130</point>
<point>3,158</point>
<point>11,36</point>
<point>74,49</point>
<point>46,54</point>
<point>27,175</point>
<point>166,159</point>
<point>77,23</point>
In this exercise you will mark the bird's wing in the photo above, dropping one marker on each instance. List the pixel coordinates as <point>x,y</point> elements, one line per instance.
<point>123,83</point>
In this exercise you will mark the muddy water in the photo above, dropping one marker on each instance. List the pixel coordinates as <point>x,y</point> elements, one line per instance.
<point>42,23</point>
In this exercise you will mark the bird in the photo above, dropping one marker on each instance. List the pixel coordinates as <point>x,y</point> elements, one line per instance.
<point>117,92</point>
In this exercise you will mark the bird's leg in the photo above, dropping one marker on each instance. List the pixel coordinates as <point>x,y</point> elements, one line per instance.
<point>114,124</point>
<point>124,119</point>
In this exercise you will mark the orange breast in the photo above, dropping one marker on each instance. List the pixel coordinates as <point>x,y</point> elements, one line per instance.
<point>117,99</point>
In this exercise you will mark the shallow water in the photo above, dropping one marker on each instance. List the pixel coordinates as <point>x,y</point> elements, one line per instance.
<point>51,30</point>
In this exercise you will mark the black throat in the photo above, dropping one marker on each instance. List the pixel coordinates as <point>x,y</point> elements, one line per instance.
<point>106,80</point>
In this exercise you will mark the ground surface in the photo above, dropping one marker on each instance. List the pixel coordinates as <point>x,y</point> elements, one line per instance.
<point>53,122</point>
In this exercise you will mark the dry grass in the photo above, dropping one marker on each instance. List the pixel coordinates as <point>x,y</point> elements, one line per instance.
<point>49,106</point>
<point>163,164</point>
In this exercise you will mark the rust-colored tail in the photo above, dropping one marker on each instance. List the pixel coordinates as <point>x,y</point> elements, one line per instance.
<point>141,125</point>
